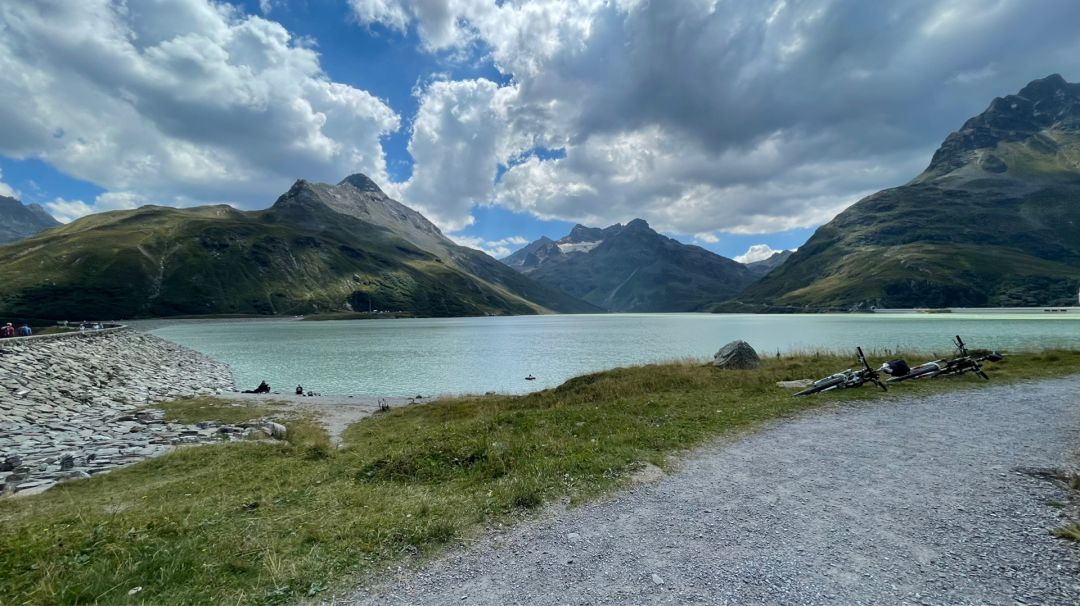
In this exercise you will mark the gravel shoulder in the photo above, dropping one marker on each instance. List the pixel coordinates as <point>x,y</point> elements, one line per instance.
<point>916,501</point>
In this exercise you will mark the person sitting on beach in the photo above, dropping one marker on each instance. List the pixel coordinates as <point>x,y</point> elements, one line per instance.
<point>25,330</point>
<point>7,331</point>
<point>262,388</point>
<point>299,390</point>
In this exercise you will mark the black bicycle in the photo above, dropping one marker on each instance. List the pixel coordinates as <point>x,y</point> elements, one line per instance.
<point>964,362</point>
<point>852,377</point>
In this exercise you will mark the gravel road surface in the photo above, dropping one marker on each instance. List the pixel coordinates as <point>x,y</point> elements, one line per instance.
<point>916,501</point>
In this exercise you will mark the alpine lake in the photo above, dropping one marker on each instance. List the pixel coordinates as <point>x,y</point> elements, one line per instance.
<point>454,356</point>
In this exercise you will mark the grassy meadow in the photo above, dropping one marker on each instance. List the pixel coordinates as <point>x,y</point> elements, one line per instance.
<point>278,523</point>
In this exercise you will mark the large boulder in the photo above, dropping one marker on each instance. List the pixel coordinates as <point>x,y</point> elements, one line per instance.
<point>737,355</point>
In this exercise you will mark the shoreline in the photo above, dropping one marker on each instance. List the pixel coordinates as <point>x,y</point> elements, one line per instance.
<point>334,413</point>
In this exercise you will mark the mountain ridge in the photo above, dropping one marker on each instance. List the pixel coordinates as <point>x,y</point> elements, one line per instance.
<point>991,221</point>
<point>319,247</point>
<point>18,220</point>
<point>630,268</point>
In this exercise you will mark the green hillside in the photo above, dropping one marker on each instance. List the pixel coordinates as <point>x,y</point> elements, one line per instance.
<point>289,259</point>
<point>991,222</point>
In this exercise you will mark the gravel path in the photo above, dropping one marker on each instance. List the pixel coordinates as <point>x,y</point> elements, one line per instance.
<point>910,502</point>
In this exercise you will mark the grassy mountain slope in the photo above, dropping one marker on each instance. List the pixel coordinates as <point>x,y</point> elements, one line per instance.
<point>292,258</point>
<point>991,222</point>
<point>631,268</point>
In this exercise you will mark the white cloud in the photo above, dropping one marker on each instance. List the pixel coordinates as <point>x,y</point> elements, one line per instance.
<point>706,237</point>
<point>708,117</point>
<point>5,189</point>
<point>181,99</point>
<point>757,252</point>
<point>66,211</point>
<point>496,248</point>
<point>461,130</point>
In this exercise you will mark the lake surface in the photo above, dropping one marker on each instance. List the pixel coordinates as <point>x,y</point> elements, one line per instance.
<point>474,355</point>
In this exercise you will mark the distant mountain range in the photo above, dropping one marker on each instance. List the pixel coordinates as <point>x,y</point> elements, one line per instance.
<point>632,268</point>
<point>994,220</point>
<point>764,266</point>
<point>318,248</point>
<point>18,220</point>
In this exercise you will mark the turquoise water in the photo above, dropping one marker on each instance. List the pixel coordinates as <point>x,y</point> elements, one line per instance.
<point>475,355</point>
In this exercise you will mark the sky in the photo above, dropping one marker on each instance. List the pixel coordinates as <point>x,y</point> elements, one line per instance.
<point>738,126</point>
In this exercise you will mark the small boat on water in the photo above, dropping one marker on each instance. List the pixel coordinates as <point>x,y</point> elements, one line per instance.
<point>530,378</point>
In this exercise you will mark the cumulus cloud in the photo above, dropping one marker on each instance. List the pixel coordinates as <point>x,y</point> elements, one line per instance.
<point>66,211</point>
<point>5,189</point>
<point>702,116</point>
<point>757,252</point>
<point>496,248</point>
<point>181,99</point>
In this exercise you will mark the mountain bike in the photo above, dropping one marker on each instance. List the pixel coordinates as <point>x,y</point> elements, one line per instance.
<point>852,377</point>
<point>962,363</point>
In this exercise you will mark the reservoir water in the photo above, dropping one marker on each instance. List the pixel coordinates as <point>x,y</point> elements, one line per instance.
<point>437,356</point>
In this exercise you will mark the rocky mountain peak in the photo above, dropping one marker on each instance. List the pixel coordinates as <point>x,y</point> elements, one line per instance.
<point>362,183</point>
<point>1047,103</point>
<point>18,221</point>
<point>580,233</point>
<point>1050,87</point>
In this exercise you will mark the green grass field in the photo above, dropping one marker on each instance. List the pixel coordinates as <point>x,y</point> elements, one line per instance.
<point>265,523</point>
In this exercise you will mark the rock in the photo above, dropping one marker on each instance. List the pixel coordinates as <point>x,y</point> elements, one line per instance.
<point>796,384</point>
<point>75,474</point>
<point>737,355</point>
<point>67,462</point>
<point>10,462</point>
<point>573,537</point>
<point>655,577</point>
<point>276,430</point>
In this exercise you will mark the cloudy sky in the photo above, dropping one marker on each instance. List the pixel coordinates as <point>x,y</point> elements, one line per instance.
<point>723,123</point>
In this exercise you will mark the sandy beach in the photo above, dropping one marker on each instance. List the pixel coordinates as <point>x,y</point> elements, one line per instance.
<point>335,412</point>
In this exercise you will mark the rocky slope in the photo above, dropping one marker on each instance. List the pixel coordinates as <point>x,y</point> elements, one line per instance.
<point>318,248</point>
<point>18,221</point>
<point>68,403</point>
<point>992,221</point>
<point>631,268</point>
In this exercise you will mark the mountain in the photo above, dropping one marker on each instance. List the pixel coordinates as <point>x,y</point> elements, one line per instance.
<point>764,266</point>
<point>994,220</point>
<point>318,248</point>
<point>631,268</point>
<point>18,221</point>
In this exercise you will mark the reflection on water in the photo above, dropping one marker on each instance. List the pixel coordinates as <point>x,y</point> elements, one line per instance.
<point>475,355</point>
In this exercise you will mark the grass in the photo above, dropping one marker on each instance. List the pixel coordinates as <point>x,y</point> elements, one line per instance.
<point>264,523</point>
<point>1071,530</point>
<point>209,408</point>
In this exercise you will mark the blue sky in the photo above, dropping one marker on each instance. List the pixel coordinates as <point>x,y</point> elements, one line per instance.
<point>503,121</point>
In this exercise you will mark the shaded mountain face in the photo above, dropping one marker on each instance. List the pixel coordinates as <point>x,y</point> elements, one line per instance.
<point>764,266</point>
<point>318,248</point>
<point>992,221</point>
<point>18,221</point>
<point>631,268</point>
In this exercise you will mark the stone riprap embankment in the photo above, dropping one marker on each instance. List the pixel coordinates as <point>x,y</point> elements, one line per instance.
<point>69,404</point>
